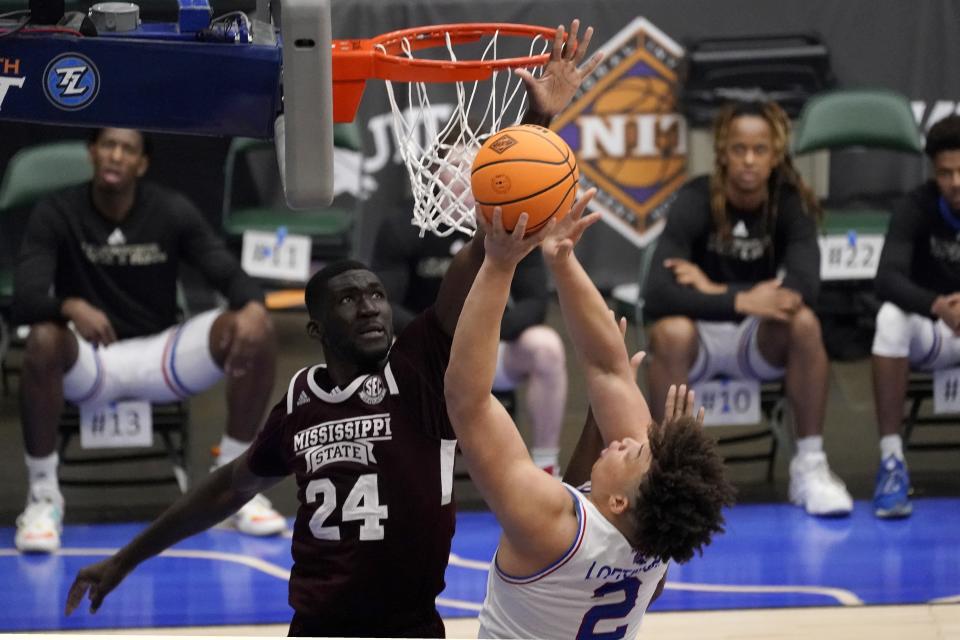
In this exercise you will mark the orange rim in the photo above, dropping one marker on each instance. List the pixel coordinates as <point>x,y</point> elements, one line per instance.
<point>356,61</point>
<point>383,56</point>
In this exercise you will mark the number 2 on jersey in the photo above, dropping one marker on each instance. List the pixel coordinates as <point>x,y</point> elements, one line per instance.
<point>610,611</point>
<point>362,503</point>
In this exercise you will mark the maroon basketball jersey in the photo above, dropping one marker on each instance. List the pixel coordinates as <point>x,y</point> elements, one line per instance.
<point>374,468</point>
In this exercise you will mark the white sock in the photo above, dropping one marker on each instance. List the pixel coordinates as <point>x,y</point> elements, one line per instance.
<point>810,444</point>
<point>545,456</point>
<point>891,445</point>
<point>42,476</point>
<point>230,450</point>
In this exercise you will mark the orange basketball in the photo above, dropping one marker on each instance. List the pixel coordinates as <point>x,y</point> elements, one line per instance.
<point>525,168</point>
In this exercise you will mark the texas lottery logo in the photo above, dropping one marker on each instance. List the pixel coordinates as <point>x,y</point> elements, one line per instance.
<point>624,127</point>
<point>10,77</point>
<point>71,81</point>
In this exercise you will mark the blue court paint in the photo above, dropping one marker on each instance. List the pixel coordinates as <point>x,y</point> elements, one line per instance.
<point>772,555</point>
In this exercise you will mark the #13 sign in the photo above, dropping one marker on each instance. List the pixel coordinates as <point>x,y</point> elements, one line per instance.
<point>119,424</point>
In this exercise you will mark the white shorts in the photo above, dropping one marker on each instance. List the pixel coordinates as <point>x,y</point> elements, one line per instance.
<point>165,367</point>
<point>928,344</point>
<point>730,349</point>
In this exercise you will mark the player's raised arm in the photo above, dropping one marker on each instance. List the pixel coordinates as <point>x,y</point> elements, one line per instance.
<point>617,402</point>
<point>551,92</point>
<point>492,447</point>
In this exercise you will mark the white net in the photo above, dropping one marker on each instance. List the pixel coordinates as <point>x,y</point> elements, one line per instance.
<point>439,155</point>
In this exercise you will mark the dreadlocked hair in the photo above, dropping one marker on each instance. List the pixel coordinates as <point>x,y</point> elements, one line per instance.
<point>681,498</point>
<point>783,171</point>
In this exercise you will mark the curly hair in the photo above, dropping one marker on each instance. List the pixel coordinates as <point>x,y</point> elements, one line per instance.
<point>783,171</point>
<point>943,136</point>
<point>681,498</point>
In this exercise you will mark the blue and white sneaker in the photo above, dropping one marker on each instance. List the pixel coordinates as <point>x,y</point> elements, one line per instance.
<point>891,497</point>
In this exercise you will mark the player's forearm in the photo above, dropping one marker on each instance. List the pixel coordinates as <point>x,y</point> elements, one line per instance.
<point>473,356</point>
<point>592,328</point>
<point>208,504</point>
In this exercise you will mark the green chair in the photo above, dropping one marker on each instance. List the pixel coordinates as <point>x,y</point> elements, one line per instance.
<point>34,172</point>
<point>253,198</point>
<point>857,119</point>
<point>873,118</point>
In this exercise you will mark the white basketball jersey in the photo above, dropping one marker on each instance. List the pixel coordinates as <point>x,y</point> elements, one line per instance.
<point>599,588</point>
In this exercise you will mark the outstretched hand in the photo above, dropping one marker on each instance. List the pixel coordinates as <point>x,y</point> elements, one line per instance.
<point>564,235</point>
<point>563,74</point>
<point>99,579</point>
<point>680,403</point>
<point>504,247</point>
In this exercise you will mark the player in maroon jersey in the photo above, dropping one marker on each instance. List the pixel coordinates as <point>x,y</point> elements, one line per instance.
<point>370,443</point>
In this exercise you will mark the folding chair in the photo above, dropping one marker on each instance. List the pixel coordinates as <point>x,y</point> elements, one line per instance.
<point>871,119</point>
<point>171,423</point>
<point>854,120</point>
<point>33,173</point>
<point>918,416</point>
<point>253,198</point>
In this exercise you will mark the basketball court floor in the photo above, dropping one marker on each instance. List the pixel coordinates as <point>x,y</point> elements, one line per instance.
<point>776,573</point>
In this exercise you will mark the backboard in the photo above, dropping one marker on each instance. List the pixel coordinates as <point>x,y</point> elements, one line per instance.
<point>233,75</point>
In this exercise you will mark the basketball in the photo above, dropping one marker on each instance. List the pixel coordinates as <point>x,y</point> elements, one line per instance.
<point>525,168</point>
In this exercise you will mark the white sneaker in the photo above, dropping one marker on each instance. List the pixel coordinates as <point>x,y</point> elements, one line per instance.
<point>39,526</point>
<point>257,518</point>
<point>815,488</point>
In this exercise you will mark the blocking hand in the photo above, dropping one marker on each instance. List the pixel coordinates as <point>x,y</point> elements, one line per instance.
<point>562,76</point>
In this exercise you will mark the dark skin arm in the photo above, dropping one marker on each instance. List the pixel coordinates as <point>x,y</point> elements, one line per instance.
<point>457,282</point>
<point>218,496</point>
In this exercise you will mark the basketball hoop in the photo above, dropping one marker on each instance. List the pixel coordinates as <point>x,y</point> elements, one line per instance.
<point>439,157</point>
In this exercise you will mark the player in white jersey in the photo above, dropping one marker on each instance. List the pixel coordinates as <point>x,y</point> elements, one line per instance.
<point>571,564</point>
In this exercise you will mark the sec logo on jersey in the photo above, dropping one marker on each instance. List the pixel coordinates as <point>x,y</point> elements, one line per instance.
<point>373,390</point>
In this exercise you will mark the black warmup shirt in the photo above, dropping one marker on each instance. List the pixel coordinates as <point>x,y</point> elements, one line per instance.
<point>758,249</point>
<point>921,252</point>
<point>373,464</point>
<point>128,271</point>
